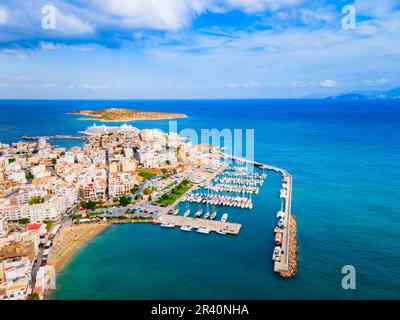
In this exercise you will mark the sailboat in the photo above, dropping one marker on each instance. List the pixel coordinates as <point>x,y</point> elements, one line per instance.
<point>198,213</point>
<point>207,214</point>
<point>187,212</point>
<point>213,214</point>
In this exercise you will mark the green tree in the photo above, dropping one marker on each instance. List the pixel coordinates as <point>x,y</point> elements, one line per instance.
<point>23,221</point>
<point>33,296</point>
<point>29,176</point>
<point>36,200</point>
<point>91,205</point>
<point>124,201</point>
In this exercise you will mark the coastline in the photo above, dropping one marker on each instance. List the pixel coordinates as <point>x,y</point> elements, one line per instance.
<point>132,119</point>
<point>74,237</point>
<point>71,239</point>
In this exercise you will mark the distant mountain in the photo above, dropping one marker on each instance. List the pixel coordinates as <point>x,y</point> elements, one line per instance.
<point>364,95</point>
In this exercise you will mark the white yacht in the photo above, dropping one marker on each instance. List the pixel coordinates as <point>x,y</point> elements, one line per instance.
<point>187,213</point>
<point>186,228</point>
<point>203,230</point>
<point>224,217</point>
<point>280,214</point>
<point>277,254</point>
<point>213,215</point>
<point>176,211</point>
<point>198,213</point>
<point>206,215</point>
<point>168,225</point>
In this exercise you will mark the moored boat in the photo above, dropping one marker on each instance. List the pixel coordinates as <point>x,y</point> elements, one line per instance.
<point>203,230</point>
<point>224,217</point>
<point>168,225</point>
<point>186,228</point>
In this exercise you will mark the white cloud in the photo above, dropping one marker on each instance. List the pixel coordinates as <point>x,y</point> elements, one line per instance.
<point>252,6</point>
<point>173,15</point>
<point>375,9</point>
<point>50,85</point>
<point>17,53</point>
<point>328,83</point>
<point>322,14</point>
<point>231,85</point>
<point>68,23</point>
<point>153,14</point>
<point>3,15</point>
<point>378,82</point>
<point>73,47</point>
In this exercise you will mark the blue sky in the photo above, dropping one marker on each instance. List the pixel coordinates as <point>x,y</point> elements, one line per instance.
<point>156,49</point>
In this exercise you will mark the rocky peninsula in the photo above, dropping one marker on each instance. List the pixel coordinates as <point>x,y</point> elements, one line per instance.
<point>125,115</point>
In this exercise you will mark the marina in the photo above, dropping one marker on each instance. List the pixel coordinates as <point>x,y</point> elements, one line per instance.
<point>285,252</point>
<point>233,186</point>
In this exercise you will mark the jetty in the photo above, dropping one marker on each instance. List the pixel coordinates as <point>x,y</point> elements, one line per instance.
<point>285,263</point>
<point>55,137</point>
<point>197,223</point>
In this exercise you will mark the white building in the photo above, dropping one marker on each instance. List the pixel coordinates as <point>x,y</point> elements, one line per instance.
<point>42,143</point>
<point>3,226</point>
<point>45,280</point>
<point>122,184</point>
<point>16,260</point>
<point>52,209</point>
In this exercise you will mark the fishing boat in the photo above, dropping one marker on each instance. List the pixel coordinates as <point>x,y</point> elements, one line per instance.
<point>224,217</point>
<point>203,230</point>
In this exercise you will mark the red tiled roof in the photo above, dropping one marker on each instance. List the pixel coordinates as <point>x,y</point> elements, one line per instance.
<point>35,226</point>
<point>37,290</point>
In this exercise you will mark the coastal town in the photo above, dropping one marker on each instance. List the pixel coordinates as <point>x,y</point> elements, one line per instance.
<point>53,199</point>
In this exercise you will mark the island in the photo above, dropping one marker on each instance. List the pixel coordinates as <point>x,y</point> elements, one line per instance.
<point>124,115</point>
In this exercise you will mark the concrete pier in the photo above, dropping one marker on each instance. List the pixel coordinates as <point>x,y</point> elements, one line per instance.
<point>212,225</point>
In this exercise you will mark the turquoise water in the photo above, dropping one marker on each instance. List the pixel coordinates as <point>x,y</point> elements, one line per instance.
<point>345,159</point>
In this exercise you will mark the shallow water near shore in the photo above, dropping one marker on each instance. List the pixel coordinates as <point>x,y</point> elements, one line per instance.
<point>344,157</point>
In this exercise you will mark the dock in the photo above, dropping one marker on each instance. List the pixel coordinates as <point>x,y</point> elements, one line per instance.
<point>196,223</point>
<point>287,265</point>
<point>55,137</point>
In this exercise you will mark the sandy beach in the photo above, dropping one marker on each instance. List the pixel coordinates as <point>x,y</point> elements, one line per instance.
<point>70,240</point>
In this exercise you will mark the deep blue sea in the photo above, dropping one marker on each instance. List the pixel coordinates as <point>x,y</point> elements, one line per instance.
<point>344,157</point>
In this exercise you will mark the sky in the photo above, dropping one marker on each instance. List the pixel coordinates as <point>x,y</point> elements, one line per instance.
<point>196,49</point>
